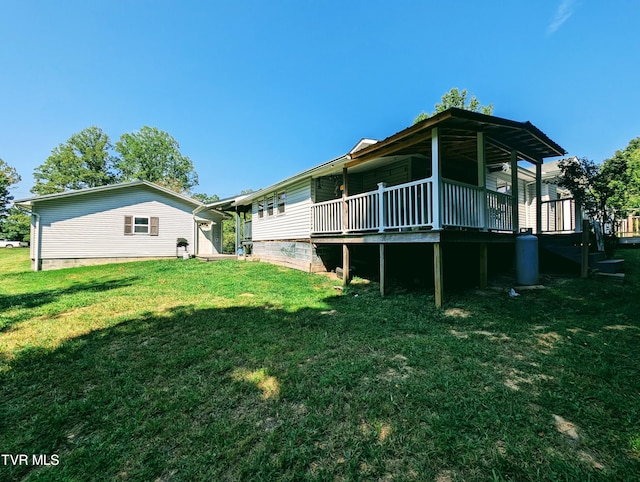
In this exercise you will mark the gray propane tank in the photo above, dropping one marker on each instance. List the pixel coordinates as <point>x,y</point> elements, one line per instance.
<point>526,258</point>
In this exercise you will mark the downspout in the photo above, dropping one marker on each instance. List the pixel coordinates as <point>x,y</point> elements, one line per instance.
<point>36,247</point>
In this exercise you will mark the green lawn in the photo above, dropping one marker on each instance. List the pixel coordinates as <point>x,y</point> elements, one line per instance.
<point>183,370</point>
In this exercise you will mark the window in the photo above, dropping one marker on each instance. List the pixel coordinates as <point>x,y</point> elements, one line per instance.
<point>503,186</point>
<point>261,208</point>
<point>282,197</point>
<point>269,202</point>
<point>141,225</point>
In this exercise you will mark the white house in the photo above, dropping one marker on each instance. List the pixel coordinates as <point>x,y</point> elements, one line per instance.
<point>457,177</point>
<point>116,223</point>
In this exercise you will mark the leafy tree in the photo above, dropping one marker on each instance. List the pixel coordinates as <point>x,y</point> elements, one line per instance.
<point>153,155</point>
<point>83,161</point>
<point>630,156</point>
<point>8,177</point>
<point>205,198</point>
<point>456,98</point>
<point>17,225</point>
<point>598,188</point>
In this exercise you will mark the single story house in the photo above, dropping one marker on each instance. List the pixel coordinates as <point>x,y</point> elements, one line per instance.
<point>120,222</point>
<point>456,177</point>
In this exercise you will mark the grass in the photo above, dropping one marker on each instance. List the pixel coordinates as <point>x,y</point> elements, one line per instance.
<point>182,370</point>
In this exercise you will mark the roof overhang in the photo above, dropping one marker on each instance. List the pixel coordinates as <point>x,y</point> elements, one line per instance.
<point>504,135</point>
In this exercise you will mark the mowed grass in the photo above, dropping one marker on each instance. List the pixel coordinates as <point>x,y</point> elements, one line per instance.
<point>183,370</point>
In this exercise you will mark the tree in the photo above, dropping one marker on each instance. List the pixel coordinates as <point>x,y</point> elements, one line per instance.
<point>456,98</point>
<point>153,155</point>
<point>599,188</point>
<point>8,177</point>
<point>629,156</point>
<point>17,225</point>
<point>205,198</point>
<point>83,161</point>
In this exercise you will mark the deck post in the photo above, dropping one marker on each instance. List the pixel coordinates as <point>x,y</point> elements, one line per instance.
<point>345,206</point>
<point>584,260</point>
<point>382,218</point>
<point>539,197</point>
<point>346,261</point>
<point>482,180</point>
<point>483,265</point>
<point>436,171</point>
<point>438,274</point>
<point>238,238</point>
<point>515,222</point>
<point>382,270</point>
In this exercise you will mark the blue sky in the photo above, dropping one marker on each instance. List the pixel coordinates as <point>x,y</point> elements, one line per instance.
<point>255,91</point>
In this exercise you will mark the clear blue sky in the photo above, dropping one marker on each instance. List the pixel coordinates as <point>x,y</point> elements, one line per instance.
<point>255,91</point>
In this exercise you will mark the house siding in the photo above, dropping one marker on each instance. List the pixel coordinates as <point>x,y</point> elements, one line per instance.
<point>92,225</point>
<point>294,223</point>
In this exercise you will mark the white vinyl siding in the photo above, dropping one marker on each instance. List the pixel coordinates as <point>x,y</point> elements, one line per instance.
<point>293,223</point>
<point>91,225</point>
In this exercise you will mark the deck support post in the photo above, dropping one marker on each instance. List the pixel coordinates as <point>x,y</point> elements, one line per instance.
<point>382,270</point>
<point>515,222</point>
<point>436,171</point>
<point>345,206</point>
<point>346,261</point>
<point>438,275</point>
<point>539,197</point>
<point>482,180</point>
<point>584,265</point>
<point>483,265</point>
<point>238,238</point>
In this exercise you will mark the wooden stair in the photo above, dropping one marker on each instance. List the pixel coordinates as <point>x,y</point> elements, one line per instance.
<point>568,247</point>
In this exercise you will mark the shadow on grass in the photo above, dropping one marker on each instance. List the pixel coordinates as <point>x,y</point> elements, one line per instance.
<point>368,389</point>
<point>31,300</point>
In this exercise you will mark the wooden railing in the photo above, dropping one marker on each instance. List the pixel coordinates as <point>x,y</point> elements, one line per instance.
<point>363,211</point>
<point>412,205</point>
<point>408,205</point>
<point>499,211</point>
<point>559,215</point>
<point>326,217</point>
<point>462,205</point>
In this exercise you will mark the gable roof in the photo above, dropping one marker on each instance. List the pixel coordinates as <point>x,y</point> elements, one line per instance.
<point>28,202</point>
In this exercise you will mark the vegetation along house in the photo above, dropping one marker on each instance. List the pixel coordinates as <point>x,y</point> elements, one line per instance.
<point>457,182</point>
<point>121,222</point>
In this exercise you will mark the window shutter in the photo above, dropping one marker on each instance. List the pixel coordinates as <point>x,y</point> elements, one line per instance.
<point>128,225</point>
<point>155,222</point>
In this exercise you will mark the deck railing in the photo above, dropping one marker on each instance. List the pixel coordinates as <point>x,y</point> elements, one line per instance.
<point>408,205</point>
<point>559,215</point>
<point>499,211</point>
<point>412,205</point>
<point>462,205</point>
<point>326,217</point>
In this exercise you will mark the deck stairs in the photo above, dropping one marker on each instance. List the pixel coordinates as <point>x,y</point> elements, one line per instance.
<point>568,248</point>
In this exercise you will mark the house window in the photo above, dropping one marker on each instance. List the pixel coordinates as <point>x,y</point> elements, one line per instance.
<point>282,197</point>
<point>269,202</point>
<point>261,208</point>
<point>503,186</point>
<point>141,225</point>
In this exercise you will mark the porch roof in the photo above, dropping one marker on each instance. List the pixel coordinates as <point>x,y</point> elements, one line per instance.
<point>503,135</point>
